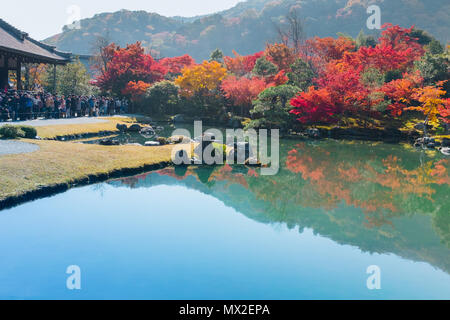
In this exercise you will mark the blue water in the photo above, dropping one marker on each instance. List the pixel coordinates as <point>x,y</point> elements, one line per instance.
<point>167,235</point>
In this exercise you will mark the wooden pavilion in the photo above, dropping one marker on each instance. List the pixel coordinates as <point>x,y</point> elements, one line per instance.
<point>17,48</point>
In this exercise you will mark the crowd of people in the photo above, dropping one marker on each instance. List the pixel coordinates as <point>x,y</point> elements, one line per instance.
<point>24,105</point>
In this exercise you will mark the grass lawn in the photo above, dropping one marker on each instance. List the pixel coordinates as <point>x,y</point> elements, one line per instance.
<point>51,132</point>
<point>59,163</point>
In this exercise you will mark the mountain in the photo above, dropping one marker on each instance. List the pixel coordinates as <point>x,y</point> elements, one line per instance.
<point>249,25</point>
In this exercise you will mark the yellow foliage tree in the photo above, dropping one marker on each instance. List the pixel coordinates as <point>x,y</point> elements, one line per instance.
<point>201,79</point>
<point>432,102</point>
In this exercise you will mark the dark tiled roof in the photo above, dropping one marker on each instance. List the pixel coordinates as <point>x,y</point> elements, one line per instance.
<point>16,41</point>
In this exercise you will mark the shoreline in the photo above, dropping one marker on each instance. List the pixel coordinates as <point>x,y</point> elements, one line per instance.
<point>51,190</point>
<point>73,164</point>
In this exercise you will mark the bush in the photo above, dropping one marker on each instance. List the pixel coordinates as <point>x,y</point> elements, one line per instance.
<point>30,132</point>
<point>11,132</point>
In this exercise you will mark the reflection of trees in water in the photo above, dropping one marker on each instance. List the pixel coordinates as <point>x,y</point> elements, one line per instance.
<point>382,186</point>
<point>99,188</point>
<point>384,182</point>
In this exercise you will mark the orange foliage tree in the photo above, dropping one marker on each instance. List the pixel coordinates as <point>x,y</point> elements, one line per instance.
<point>241,65</point>
<point>280,55</point>
<point>432,103</point>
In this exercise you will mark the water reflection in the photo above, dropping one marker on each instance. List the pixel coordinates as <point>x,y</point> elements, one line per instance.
<point>381,198</point>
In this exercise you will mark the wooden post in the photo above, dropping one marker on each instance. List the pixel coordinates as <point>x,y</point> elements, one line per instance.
<point>27,77</point>
<point>54,79</point>
<point>19,74</point>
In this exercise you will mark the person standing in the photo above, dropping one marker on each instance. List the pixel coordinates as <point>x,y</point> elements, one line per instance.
<point>78,106</point>
<point>62,107</point>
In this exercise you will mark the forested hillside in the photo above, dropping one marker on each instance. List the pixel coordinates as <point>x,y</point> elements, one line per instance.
<point>248,26</point>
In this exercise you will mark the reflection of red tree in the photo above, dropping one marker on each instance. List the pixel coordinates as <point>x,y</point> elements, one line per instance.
<point>358,184</point>
<point>440,172</point>
<point>133,181</point>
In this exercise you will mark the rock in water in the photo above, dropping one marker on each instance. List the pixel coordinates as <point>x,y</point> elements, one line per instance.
<point>313,133</point>
<point>122,127</point>
<point>252,162</point>
<point>152,144</point>
<point>427,141</point>
<point>149,131</point>
<point>445,151</point>
<point>135,128</point>
<point>109,142</point>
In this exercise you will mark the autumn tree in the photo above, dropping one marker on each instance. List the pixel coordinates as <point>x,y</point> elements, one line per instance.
<point>401,93</point>
<point>316,105</point>
<point>401,40</point>
<point>280,55</point>
<point>327,49</point>
<point>432,104</point>
<point>127,65</point>
<point>242,65</point>
<point>135,90</point>
<point>34,76</point>
<point>175,65</point>
<point>242,91</point>
<point>200,85</point>
<point>201,79</point>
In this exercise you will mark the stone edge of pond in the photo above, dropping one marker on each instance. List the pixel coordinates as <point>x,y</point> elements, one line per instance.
<point>388,136</point>
<point>47,191</point>
<point>80,136</point>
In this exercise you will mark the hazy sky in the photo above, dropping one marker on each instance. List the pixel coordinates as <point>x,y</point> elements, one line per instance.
<point>43,18</point>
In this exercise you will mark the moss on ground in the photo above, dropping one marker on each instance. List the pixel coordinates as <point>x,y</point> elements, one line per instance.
<point>65,163</point>
<point>52,132</point>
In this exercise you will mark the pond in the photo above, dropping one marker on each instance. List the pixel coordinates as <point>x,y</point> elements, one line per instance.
<point>310,232</point>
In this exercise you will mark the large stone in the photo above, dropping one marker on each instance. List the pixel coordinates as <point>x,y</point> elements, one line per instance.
<point>179,139</point>
<point>152,144</point>
<point>253,162</point>
<point>148,131</point>
<point>122,127</point>
<point>313,133</point>
<point>425,141</point>
<point>109,142</point>
<point>135,128</point>
<point>445,151</point>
